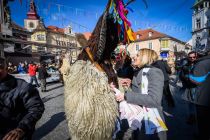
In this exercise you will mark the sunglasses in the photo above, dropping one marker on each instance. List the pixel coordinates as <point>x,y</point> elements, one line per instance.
<point>192,57</point>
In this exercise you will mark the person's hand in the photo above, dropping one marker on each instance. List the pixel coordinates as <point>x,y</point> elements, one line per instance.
<point>120,97</point>
<point>15,134</point>
<point>125,82</point>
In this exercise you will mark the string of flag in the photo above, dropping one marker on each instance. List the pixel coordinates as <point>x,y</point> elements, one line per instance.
<point>44,8</point>
<point>65,21</point>
<point>75,11</point>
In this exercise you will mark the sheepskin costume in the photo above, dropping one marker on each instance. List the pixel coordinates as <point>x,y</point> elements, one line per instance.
<point>65,68</point>
<point>90,106</point>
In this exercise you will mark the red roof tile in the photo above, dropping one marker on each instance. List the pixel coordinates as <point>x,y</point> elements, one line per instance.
<point>144,35</point>
<point>55,29</point>
<point>87,35</point>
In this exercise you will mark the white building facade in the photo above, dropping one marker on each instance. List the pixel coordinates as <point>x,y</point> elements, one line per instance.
<point>201,24</point>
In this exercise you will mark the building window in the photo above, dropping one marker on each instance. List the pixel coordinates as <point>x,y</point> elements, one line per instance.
<point>175,48</point>
<point>137,48</point>
<point>208,21</point>
<point>205,4</point>
<point>150,34</point>
<point>58,42</point>
<point>138,36</point>
<point>2,53</point>
<point>69,44</point>
<point>31,25</point>
<point>201,6</point>
<point>41,37</point>
<point>63,43</point>
<point>73,53</point>
<point>198,23</point>
<point>41,49</point>
<point>164,43</point>
<point>70,31</point>
<point>150,45</point>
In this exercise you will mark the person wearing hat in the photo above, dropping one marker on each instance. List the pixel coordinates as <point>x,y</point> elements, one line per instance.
<point>200,76</point>
<point>20,106</point>
<point>42,75</point>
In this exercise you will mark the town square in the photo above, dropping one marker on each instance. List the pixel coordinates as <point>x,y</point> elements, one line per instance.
<point>104,70</point>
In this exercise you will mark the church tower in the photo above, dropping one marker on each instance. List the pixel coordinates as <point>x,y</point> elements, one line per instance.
<point>201,24</point>
<point>33,18</point>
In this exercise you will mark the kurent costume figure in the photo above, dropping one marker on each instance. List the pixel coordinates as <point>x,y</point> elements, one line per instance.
<point>90,105</point>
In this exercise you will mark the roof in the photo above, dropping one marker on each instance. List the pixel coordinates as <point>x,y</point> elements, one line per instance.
<point>32,13</point>
<point>81,39</point>
<point>87,35</point>
<point>40,27</point>
<point>197,2</point>
<point>190,42</point>
<point>144,35</point>
<point>18,27</point>
<point>55,29</point>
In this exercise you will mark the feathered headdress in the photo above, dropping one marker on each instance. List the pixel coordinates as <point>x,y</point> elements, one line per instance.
<point>112,28</point>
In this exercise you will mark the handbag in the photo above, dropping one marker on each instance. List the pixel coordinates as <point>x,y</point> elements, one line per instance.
<point>135,114</point>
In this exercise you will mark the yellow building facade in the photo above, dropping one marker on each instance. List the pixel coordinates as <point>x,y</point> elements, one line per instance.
<point>165,46</point>
<point>55,40</point>
<point>39,37</point>
<point>51,39</point>
<point>156,41</point>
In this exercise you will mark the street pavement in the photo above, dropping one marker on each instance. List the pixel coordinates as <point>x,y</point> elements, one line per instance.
<point>53,126</point>
<point>175,117</point>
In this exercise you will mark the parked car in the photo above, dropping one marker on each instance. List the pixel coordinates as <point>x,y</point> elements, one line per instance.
<point>54,76</point>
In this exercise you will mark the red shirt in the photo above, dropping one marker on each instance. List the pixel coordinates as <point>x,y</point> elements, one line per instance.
<point>32,70</point>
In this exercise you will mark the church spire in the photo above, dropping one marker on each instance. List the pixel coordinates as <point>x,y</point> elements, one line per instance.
<point>32,13</point>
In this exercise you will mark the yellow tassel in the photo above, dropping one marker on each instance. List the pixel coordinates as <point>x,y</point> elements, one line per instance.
<point>130,34</point>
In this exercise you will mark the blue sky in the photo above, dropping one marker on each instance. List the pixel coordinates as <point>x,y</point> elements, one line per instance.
<point>170,17</point>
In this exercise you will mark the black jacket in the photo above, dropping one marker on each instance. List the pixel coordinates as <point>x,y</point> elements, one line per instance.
<point>163,66</point>
<point>200,76</point>
<point>20,106</point>
<point>42,73</point>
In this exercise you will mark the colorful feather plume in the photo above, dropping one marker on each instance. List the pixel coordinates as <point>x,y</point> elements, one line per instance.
<point>120,12</point>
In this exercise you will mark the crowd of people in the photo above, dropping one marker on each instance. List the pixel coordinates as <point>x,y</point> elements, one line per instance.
<point>17,122</point>
<point>23,67</point>
<point>194,73</point>
<point>34,70</point>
